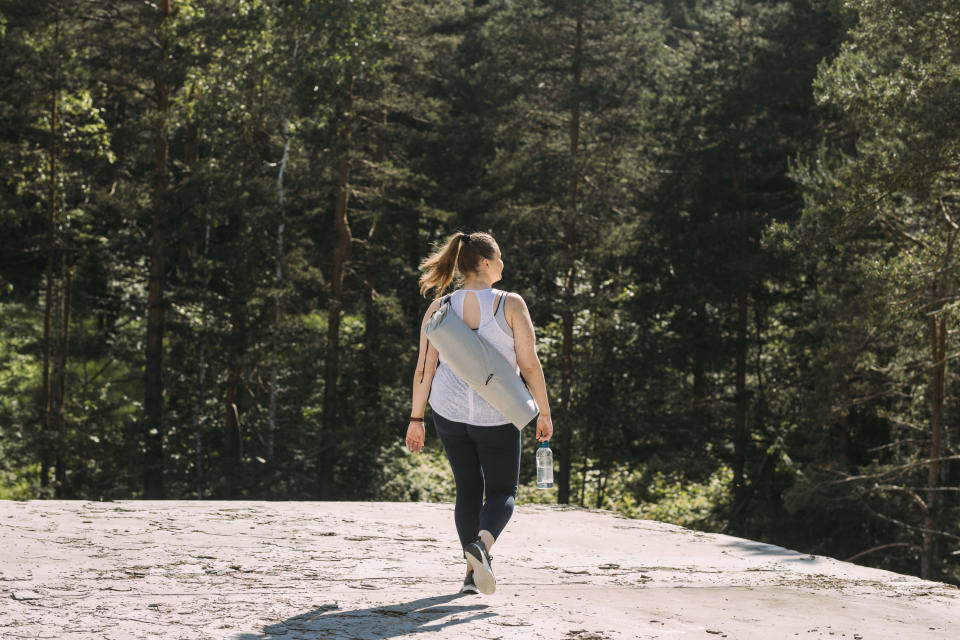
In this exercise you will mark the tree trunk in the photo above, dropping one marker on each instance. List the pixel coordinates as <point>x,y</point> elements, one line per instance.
<point>340,256</point>
<point>232,441</point>
<point>153,380</point>
<point>938,346</point>
<point>700,346</point>
<point>371,316</point>
<point>371,320</point>
<point>61,400</point>
<point>202,365</point>
<point>191,156</point>
<point>741,493</point>
<point>602,484</point>
<point>46,437</point>
<point>278,275</point>
<point>564,447</point>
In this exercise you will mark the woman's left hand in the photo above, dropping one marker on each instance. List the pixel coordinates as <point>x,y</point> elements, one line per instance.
<point>544,427</point>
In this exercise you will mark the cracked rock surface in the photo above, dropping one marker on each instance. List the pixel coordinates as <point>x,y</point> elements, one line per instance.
<point>371,571</point>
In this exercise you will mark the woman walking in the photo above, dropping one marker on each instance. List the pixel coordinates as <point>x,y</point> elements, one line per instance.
<point>482,446</point>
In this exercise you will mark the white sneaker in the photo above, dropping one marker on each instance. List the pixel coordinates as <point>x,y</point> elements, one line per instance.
<point>468,585</point>
<point>476,554</point>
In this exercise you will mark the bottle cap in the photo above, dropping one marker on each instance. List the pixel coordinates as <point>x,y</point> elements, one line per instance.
<point>545,445</point>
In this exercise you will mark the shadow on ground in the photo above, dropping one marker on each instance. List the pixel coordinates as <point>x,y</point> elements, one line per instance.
<point>425,615</point>
<point>764,549</point>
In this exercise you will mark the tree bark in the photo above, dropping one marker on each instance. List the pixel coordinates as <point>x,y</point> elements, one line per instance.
<point>232,427</point>
<point>62,491</point>
<point>938,346</point>
<point>153,381</point>
<point>564,447</point>
<point>371,316</point>
<point>46,400</point>
<point>741,492</point>
<point>277,312</point>
<point>192,158</point>
<point>202,365</point>
<point>340,256</point>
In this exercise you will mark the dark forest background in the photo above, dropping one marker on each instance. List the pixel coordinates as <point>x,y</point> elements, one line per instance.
<point>734,222</point>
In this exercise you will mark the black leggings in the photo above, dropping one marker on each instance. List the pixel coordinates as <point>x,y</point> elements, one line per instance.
<point>481,458</point>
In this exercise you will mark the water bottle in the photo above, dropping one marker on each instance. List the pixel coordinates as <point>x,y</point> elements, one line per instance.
<point>544,466</point>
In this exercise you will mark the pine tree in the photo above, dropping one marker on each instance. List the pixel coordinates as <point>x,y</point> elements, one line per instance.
<point>576,84</point>
<point>881,192</point>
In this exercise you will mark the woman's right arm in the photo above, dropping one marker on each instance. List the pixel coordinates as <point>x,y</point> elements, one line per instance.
<point>422,379</point>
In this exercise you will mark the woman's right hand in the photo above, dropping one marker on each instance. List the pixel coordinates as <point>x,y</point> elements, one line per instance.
<point>416,434</point>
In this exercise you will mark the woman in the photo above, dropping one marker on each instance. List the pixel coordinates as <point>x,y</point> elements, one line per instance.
<point>482,446</point>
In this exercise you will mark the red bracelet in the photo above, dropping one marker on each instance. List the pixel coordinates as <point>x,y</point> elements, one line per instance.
<point>416,419</point>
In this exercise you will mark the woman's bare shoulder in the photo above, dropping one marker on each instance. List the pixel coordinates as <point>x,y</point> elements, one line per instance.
<point>434,305</point>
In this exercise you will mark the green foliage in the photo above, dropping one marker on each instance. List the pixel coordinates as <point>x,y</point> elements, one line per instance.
<point>410,477</point>
<point>21,483</point>
<point>698,505</point>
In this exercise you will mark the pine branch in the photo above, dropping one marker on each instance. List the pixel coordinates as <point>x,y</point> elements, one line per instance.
<point>910,526</point>
<point>879,548</point>
<point>889,472</point>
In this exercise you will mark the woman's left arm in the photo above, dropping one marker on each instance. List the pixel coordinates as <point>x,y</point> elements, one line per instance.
<point>525,344</point>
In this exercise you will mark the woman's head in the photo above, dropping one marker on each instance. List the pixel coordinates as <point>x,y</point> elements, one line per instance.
<point>464,254</point>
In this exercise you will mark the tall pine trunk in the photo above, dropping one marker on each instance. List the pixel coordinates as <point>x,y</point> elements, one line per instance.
<point>335,303</point>
<point>153,380</point>
<point>46,400</point>
<point>741,433</point>
<point>741,492</point>
<point>371,320</point>
<point>191,156</point>
<point>937,326</point>
<point>232,436</point>
<point>372,267</point>
<point>62,491</point>
<point>202,365</point>
<point>938,333</point>
<point>277,311</point>
<point>277,302</point>
<point>565,441</point>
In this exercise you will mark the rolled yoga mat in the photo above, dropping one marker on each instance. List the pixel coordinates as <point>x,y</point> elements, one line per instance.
<point>481,366</point>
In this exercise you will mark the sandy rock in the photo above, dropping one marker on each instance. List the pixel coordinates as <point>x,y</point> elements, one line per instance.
<point>299,570</point>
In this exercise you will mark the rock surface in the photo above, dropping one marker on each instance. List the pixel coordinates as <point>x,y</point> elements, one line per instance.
<point>339,570</point>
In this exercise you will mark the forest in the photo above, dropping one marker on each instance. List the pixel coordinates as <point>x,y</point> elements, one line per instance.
<point>734,223</point>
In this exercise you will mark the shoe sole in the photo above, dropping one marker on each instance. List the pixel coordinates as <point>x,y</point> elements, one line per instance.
<point>482,574</point>
<point>469,589</point>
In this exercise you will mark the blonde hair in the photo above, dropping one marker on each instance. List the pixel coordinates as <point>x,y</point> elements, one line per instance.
<point>461,254</point>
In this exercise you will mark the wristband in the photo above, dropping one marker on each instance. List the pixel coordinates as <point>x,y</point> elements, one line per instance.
<point>412,419</point>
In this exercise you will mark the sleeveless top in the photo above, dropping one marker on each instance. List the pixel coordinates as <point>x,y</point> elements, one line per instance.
<point>450,396</point>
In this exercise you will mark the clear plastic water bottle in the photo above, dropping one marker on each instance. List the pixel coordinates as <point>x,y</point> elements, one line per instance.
<point>544,466</point>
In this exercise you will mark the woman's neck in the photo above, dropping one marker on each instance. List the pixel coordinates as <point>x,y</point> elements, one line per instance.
<point>476,283</point>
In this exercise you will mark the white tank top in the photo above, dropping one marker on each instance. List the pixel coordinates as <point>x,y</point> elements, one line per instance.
<point>453,398</point>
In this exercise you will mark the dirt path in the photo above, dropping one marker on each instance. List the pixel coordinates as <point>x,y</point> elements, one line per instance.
<point>299,570</point>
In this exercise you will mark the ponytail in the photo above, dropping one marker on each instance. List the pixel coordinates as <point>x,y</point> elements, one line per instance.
<point>462,254</point>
